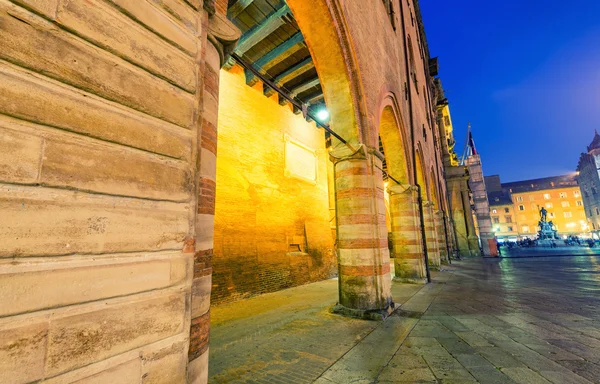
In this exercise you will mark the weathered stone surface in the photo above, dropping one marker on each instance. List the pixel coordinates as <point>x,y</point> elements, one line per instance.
<point>201,295</point>
<point>36,285</point>
<point>22,351</point>
<point>110,29</point>
<point>19,157</point>
<point>198,369</point>
<point>45,7</point>
<point>39,221</point>
<point>80,339</point>
<point>41,46</point>
<point>113,170</point>
<point>166,365</point>
<point>121,374</point>
<point>26,96</point>
<point>160,23</point>
<point>181,10</point>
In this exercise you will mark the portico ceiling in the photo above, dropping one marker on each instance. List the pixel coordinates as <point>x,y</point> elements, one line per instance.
<point>273,44</point>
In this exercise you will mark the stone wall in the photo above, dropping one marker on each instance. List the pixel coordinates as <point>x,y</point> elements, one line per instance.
<point>272,228</point>
<point>98,108</point>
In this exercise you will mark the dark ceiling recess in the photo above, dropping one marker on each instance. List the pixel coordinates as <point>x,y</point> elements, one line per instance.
<point>272,42</point>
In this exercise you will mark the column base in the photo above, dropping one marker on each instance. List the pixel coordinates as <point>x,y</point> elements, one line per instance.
<point>409,280</point>
<point>364,314</point>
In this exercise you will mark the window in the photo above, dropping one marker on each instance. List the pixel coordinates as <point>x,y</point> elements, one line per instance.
<point>508,219</point>
<point>519,198</point>
<point>506,210</point>
<point>579,203</point>
<point>531,198</point>
<point>565,204</point>
<point>597,211</point>
<point>549,205</point>
<point>525,229</point>
<point>496,220</point>
<point>510,229</point>
<point>562,195</point>
<point>577,194</point>
<point>521,207</point>
<point>568,215</point>
<point>546,196</point>
<point>494,211</point>
<point>389,8</point>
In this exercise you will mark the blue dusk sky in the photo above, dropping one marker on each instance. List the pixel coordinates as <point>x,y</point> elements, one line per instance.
<point>525,73</point>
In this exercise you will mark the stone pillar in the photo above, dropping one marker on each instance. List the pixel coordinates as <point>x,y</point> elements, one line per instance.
<point>363,254</point>
<point>219,37</point>
<point>409,262</point>
<point>441,236</point>
<point>431,235</point>
<point>462,217</point>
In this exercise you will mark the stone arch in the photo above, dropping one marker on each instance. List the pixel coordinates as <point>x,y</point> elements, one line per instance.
<point>391,132</point>
<point>421,175</point>
<point>433,190</point>
<point>325,32</point>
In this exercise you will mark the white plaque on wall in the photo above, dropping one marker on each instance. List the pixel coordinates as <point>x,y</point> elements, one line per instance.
<point>300,161</point>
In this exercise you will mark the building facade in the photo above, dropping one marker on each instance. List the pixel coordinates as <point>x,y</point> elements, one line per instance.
<point>502,213</point>
<point>119,218</point>
<point>589,182</point>
<point>559,195</point>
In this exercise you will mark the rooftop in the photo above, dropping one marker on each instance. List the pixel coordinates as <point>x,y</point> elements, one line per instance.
<point>595,144</point>
<point>553,182</point>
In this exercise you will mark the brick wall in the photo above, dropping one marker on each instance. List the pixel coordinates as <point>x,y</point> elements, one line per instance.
<point>272,231</point>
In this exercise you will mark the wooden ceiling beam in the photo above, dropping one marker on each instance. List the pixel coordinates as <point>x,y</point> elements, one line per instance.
<point>238,7</point>
<point>262,30</point>
<point>291,73</point>
<point>304,87</point>
<point>273,54</point>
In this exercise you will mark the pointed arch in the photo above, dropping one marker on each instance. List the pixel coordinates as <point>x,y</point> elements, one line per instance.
<point>391,132</point>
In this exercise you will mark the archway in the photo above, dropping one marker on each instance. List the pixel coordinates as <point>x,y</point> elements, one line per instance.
<point>406,251</point>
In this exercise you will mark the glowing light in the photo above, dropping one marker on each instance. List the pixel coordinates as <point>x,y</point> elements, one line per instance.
<point>323,115</point>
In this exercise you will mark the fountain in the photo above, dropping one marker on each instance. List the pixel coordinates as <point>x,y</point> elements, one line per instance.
<point>547,235</point>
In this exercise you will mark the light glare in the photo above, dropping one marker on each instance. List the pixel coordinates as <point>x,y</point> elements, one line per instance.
<point>323,115</point>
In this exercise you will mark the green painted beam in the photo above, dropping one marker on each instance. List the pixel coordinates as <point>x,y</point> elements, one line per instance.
<point>262,30</point>
<point>272,55</point>
<point>304,87</point>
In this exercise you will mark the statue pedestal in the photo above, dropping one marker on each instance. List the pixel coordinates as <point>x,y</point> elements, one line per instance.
<point>547,235</point>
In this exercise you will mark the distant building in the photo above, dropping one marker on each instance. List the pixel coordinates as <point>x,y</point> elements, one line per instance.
<point>515,206</point>
<point>589,182</point>
<point>503,216</point>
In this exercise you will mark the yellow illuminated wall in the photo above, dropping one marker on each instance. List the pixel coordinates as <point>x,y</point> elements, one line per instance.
<point>272,220</point>
<point>564,206</point>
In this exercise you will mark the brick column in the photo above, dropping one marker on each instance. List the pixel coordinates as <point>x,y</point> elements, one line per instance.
<point>441,236</point>
<point>364,261</point>
<point>431,236</point>
<point>409,262</point>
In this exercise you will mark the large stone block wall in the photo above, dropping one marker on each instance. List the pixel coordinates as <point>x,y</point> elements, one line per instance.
<point>99,103</point>
<point>272,230</point>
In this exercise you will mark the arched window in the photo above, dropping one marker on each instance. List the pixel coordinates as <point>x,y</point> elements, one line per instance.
<point>413,67</point>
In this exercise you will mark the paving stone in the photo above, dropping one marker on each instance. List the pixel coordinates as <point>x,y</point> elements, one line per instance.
<point>564,377</point>
<point>482,325</point>
<point>490,375</point>
<point>473,360</point>
<point>524,376</point>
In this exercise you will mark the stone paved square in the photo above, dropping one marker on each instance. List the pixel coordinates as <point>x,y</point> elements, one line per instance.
<point>521,320</point>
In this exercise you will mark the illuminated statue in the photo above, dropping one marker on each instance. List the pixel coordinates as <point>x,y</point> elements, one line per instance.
<point>543,214</point>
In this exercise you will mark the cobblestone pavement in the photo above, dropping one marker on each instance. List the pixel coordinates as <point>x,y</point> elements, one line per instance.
<point>482,320</point>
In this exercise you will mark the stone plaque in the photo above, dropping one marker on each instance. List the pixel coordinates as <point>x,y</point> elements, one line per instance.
<point>300,161</point>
